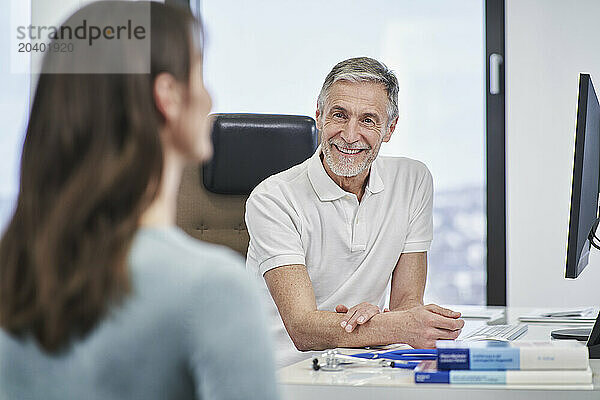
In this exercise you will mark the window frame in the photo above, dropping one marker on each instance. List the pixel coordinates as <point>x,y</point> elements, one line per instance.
<point>495,156</point>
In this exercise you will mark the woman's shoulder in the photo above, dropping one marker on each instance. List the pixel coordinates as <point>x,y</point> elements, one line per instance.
<point>169,254</point>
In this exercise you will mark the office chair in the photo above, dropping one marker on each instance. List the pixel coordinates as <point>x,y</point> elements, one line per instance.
<point>247,149</point>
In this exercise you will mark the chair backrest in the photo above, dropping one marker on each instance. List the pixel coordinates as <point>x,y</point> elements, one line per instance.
<point>247,149</point>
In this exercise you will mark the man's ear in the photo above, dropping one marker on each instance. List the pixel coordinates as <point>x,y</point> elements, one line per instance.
<point>390,130</point>
<point>318,116</point>
<point>167,96</point>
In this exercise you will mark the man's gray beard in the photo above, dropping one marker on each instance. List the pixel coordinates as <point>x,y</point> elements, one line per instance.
<point>346,168</point>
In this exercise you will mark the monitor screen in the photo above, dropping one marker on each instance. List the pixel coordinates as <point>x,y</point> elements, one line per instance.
<point>585,187</point>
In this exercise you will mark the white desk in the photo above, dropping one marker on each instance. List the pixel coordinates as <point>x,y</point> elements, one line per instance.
<point>300,381</point>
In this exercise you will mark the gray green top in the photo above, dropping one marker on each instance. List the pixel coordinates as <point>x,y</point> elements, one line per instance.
<point>190,329</point>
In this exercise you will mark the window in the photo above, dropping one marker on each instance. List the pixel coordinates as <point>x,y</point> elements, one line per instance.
<point>274,58</point>
<point>14,106</point>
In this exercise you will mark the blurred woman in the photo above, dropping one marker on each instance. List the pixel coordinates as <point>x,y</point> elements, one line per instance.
<point>101,296</point>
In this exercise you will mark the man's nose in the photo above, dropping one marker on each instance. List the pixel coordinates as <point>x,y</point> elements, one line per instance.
<point>351,132</point>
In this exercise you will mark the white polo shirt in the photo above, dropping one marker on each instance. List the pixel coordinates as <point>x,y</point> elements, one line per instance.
<point>350,249</point>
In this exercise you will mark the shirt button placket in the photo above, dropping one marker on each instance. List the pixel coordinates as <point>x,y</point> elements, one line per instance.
<point>359,230</point>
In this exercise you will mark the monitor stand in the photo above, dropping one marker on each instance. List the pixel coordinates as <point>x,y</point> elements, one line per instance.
<point>581,334</point>
<point>591,335</point>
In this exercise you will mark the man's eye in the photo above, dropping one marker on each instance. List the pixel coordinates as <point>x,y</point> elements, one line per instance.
<point>368,120</point>
<point>338,115</point>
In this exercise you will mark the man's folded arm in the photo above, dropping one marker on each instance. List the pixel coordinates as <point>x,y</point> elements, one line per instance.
<point>313,329</point>
<point>408,281</point>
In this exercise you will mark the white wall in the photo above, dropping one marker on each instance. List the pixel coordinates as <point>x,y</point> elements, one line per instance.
<point>548,42</point>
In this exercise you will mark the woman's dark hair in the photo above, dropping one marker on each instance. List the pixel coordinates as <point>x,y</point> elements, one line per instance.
<point>91,164</point>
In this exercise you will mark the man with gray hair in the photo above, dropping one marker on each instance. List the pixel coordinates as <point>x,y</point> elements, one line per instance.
<point>328,235</point>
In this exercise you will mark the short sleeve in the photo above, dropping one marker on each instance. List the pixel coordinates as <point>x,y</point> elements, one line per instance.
<point>229,348</point>
<point>420,226</point>
<point>274,228</point>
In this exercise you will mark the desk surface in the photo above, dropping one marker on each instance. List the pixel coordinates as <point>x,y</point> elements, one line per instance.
<point>300,381</point>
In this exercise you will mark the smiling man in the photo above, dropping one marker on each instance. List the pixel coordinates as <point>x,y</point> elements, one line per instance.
<point>327,236</point>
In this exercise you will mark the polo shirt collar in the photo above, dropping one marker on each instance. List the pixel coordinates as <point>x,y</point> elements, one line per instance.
<point>375,184</point>
<point>327,189</point>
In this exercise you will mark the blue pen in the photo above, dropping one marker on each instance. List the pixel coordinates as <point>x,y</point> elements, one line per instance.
<point>404,364</point>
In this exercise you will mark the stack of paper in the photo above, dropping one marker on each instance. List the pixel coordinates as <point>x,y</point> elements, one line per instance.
<point>583,315</point>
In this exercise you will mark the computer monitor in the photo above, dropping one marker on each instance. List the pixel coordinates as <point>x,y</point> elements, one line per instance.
<point>585,190</point>
<point>586,180</point>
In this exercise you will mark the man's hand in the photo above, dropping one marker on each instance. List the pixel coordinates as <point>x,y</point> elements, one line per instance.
<point>422,325</point>
<point>356,315</point>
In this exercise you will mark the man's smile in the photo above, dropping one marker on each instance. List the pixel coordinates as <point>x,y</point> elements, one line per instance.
<point>347,151</point>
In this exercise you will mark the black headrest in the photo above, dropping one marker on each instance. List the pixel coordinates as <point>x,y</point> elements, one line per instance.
<point>251,147</point>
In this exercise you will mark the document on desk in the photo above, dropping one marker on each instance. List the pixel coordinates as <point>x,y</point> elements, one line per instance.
<point>491,315</point>
<point>581,315</point>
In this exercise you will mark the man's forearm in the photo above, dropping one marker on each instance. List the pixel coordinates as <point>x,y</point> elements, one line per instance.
<point>408,281</point>
<point>419,327</point>
<point>318,330</point>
